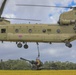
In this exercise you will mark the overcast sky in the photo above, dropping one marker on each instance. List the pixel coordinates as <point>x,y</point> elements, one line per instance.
<point>53,52</point>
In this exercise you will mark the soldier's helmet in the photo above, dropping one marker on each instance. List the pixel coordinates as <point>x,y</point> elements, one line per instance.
<point>38,62</point>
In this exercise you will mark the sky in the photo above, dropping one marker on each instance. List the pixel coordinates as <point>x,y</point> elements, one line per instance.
<point>48,52</point>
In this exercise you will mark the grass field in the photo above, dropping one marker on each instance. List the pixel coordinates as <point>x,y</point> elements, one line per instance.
<point>42,72</point>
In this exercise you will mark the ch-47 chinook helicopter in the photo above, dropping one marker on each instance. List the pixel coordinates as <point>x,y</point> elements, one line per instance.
<point>62,32</point>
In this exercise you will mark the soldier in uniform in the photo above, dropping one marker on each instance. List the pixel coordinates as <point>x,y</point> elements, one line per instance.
<point>38,63</point>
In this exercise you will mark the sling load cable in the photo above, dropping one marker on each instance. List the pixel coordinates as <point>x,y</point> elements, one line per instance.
<point>38,50</point>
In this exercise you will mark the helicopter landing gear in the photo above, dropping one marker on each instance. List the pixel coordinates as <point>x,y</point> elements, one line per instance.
<point>26,46</point>
<point>19,45</point>
<point>68,45</point>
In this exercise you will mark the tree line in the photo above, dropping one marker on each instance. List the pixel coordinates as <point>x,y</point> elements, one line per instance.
<point>48,65</point>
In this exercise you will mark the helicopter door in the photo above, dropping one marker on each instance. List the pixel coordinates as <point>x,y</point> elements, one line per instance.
<point>3,34</point>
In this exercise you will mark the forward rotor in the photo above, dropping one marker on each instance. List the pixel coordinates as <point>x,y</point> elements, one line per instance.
<point>2,18</point>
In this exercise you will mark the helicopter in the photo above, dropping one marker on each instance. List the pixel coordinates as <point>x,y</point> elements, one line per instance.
<point>62,32</point>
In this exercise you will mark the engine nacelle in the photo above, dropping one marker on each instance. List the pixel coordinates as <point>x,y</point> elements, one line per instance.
<point>66,22</point>
<point>4,22</point>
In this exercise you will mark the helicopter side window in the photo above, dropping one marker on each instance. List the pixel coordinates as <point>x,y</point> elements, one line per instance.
<point>44,30</point>
<point>58,30</point>
<point>30,30</point>
<point>16,30</point>
<point>3,30</point>
<point>49,30</point>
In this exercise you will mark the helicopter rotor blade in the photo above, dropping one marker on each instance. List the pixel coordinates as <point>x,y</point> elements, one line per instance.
<point>43,6</point>
<point>2,7</point>
<point>20,19</point>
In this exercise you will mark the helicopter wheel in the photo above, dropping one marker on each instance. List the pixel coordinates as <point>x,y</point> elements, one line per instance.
<point>26,46</point>
<point>69,45</point>
<point>19,45</point>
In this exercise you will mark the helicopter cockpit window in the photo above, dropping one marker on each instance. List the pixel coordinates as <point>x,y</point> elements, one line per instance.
<point>3,30</point>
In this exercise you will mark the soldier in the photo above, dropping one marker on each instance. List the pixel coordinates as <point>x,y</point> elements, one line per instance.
<point>38,63</point>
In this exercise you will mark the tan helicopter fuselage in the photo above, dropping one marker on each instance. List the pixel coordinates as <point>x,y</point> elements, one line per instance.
<point>37,33</point>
